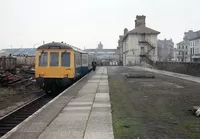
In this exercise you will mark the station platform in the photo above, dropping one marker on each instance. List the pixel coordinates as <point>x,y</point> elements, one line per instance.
<point>82,111</point>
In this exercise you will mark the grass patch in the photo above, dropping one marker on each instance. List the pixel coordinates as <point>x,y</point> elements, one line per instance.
<point>125,127</point>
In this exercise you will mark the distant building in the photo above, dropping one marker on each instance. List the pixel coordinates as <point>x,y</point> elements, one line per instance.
<point>165,50</point>
<point>176,52</point>
<point>183,48</point>
<point>138,45</point>
<point>194,41</point>
<point>100,46</point>
<point>189,48</point>
<point>104,55</point>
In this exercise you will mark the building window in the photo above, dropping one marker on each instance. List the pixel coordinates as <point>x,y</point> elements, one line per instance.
<point>65,59</point>
<point>43,59</point>
<point>193,51</point>
<point>186,47</point>
<point>54,59</point>
<point>186,53</point>
<point>182,47</point>
<point>197,51</point>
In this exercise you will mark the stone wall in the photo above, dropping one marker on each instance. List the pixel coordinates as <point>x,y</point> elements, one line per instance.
<point>180,67</point>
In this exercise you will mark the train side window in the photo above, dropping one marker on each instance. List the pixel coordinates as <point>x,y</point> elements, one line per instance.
<point>65,59</point>
<point>54,59</point>
<point>43,59</point>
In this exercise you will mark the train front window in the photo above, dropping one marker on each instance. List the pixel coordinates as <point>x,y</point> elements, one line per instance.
<point>43,59</point>
<point>54,58</point>
<point>65,59</point>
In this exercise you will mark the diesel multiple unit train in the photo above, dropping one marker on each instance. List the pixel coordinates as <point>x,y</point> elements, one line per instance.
<point>58,64</point>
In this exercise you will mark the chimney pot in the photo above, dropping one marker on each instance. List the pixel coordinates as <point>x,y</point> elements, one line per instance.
<point>140,20</point>
<point>125,31</point>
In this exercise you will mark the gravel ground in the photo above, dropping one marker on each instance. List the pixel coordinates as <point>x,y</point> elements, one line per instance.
<point>152,108</point>
<point>13,97</point>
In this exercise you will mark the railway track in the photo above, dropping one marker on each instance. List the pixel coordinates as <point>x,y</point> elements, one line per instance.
<point>11,120</point>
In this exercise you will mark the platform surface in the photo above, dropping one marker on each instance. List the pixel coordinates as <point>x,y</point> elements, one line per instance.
<point>81,112</point>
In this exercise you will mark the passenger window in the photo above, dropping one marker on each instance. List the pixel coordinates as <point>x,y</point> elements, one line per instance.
<point>43,59</point>
<point>54,59</point>
<point>65,59</point>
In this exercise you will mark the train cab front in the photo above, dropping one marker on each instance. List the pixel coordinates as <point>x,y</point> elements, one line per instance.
<point>53,69</point>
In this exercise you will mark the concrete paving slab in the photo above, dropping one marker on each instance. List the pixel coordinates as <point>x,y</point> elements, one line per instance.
<point>101,109</point>
<point>103,83</point>
<point>102,101</point>
<point>102,95</point>
<point>77,108</point>
<point>88,96</point>
<point>24,135</point>
<point>99,135</point>
<point>33,127</point>
<point>69,126</point>
<point>100,90</point>
<point>100,105</point>
<point>88,90</point>
<point>62,135</point>
<point>93,81</point>
<point>80,103</point>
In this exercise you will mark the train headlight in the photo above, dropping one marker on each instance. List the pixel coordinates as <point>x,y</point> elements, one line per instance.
<point>41,74</point>
<point>66,75</point>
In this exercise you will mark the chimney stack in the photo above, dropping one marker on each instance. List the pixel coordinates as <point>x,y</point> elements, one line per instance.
<point>140,20</point>
<point>125,31</point>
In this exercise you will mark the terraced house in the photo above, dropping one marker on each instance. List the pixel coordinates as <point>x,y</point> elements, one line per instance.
<point>189,48</point>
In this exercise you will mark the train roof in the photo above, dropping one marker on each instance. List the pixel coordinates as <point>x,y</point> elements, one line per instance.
<point>58,45</point>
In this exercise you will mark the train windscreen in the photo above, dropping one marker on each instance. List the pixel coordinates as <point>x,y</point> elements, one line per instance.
<point>65,59</point>
<point>54,59</point>
<point>43,59</point>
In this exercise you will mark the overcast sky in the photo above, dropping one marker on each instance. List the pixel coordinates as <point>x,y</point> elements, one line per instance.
<point>86,22</point>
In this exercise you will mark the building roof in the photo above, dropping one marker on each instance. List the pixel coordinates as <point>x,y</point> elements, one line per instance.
<point>191,35</point>
<point>18,51</point>
<point>141,30</point>
<point>183,43</point>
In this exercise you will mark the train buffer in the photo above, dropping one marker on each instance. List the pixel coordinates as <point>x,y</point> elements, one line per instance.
<point>81,111</point>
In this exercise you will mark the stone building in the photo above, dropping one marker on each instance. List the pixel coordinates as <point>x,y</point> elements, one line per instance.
<point>194,42</point>
<point>165,50</point>
<point>189,48</point>
<point>138,45</point>
<point>183,48</point>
